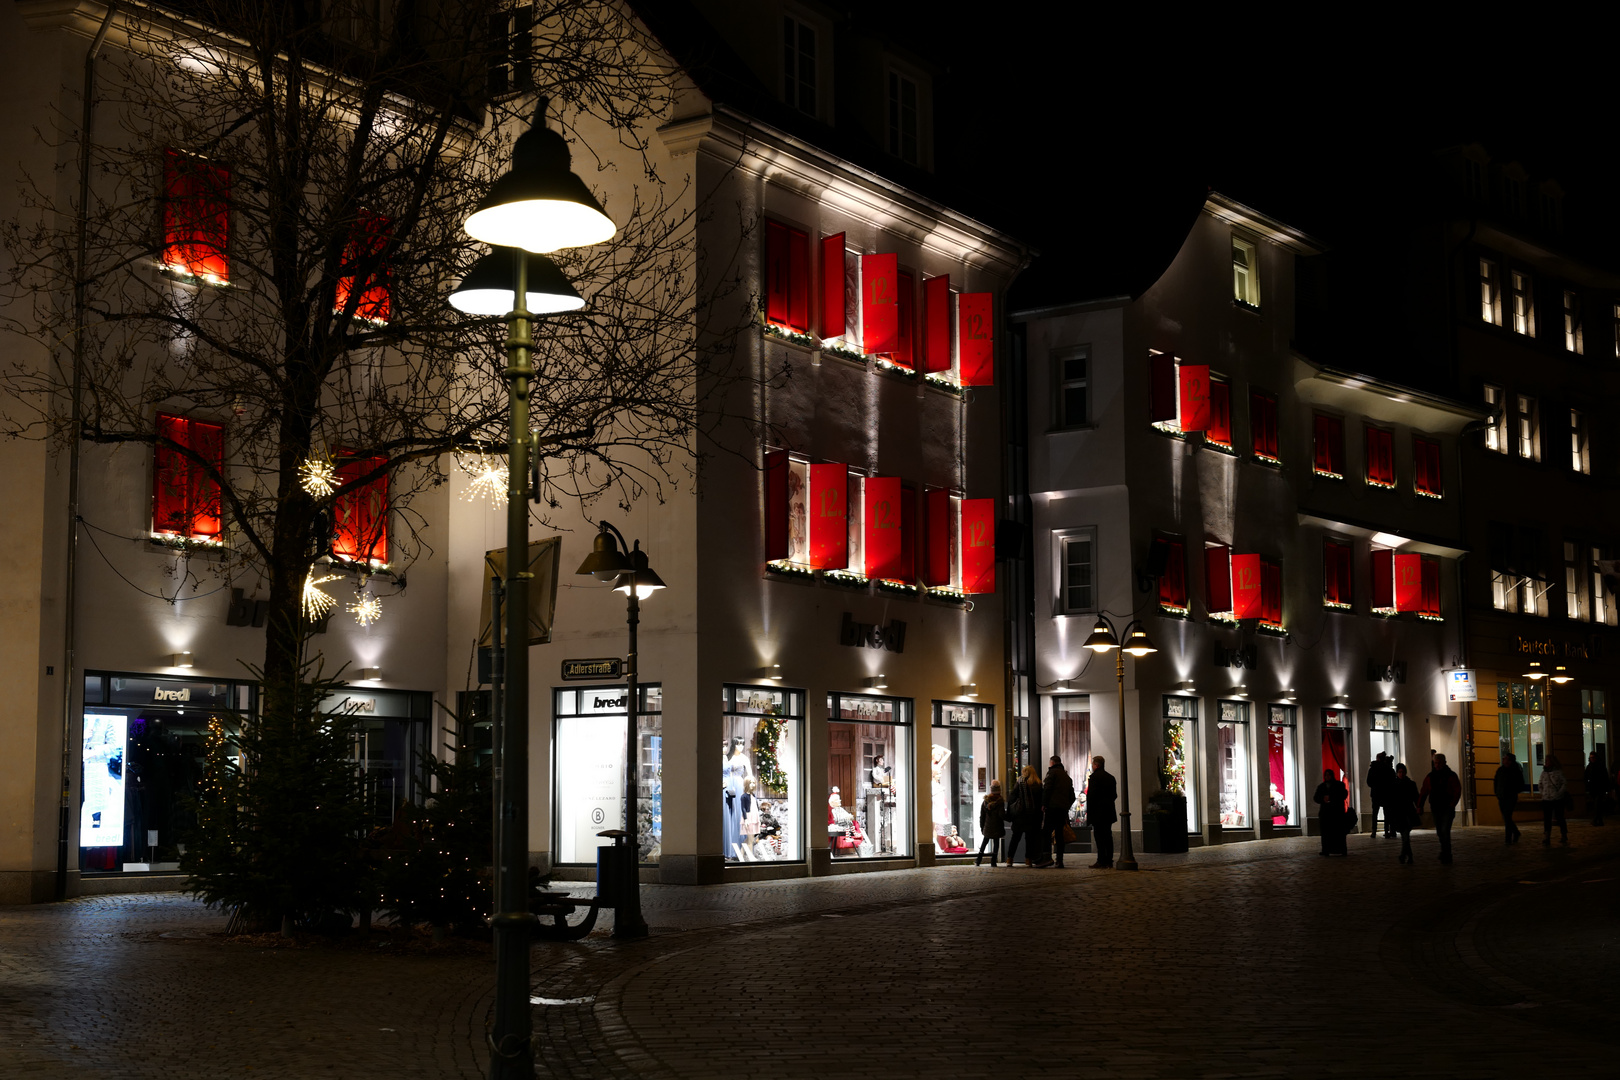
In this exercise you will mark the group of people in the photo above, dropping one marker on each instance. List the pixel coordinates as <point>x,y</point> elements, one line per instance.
<point>1509,783</point>
<point>1038,811</point>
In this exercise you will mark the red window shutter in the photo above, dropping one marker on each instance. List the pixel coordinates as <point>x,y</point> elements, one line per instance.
<point>185,497</point>
<point>1329,445</point>
<point>1263,425</point>
<point>882,537</point>
<point>904,354</point>
<point>1218,578</point>
<point>1430,603</point>
<point>937,324</point>
<point>1383,579</point>
<point>1426,460</point>
<point>196,217</point>
<point>1162,388</point>
<point>776,505</point>
<point>360,515</point>
<point>937,538</point>
<point>1336,583</point>
<point>364,258</point>
<point>880,304</point>
<point>975,339</point>
<point>834,302</point>
<point>1408,581</point>
<point>799,280</point>
<point>1271,593</point>
<point>1246,587</point>
<point>978,545</point>
<point>777,273</point>
<point>1220,414</point>
<point>829,529</point>
<point>1194,380</point>
<point>908,535</point>
<point>1380,457</point>
<point>1173,582</point>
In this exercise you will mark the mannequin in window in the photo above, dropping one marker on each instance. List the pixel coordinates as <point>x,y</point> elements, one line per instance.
<point>737,770</point>
<point>942,798</point>
<point>750,817</point>
<point>843,831</point>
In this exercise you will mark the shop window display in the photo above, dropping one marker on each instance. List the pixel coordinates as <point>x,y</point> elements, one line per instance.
<point>1385,737</point>
<point>1178,768</point>
<point>1071,716</point>
<point>960,762</point>
<point>1523,727</point>
<point>762,778</point>
<point>1336,747</point>
<point>1281,758</point>
<point>588,771</point>
<point>868,776</point>
<point>1232,746</point>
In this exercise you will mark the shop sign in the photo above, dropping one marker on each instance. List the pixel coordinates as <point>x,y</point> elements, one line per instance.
<point>606,667</point>
<point>1573,650</point>
<point>1395,673</point>
<point>871,636</point>
<point>1460,684</point>
<point>167,692</point>
<point>1238,658</point>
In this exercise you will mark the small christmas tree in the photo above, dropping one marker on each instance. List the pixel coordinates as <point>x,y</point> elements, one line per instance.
<point>767,751</point>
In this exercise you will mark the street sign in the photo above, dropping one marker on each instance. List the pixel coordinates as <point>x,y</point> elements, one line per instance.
<point>605,667</point>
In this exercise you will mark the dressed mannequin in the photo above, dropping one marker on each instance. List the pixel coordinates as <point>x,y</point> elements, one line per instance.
<point>942,799</point>
<point>737,770</point>
<point>843,831</point>
<point>750,814</point>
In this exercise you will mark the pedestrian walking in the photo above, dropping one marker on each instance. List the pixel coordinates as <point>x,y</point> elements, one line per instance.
<point>1441,790</point>
<point>1509,781</point>
<point>1331,819</point>
<point>1403,809</point>
<point>1381,781</point>
<point>1597,787</point>
<point>1101,792</point>
<point>1554,790</point>
<point>1059,793</point>
<point>992,824</point>
<point>1025,807</point>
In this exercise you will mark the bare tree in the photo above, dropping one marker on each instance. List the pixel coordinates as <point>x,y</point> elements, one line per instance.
<point>356,144</point>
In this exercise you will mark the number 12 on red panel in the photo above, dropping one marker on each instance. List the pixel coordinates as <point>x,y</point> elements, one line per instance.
<point>880,304</point>
<point>975,338</point>
<point>978,545</point>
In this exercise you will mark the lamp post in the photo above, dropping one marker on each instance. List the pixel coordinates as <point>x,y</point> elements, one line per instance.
<point>632,576</point>
<point>538,205</point>
<point>1138,644</point>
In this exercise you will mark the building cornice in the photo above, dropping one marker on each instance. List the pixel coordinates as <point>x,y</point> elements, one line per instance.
<point>1321,385</point>
<point>1227,209</point>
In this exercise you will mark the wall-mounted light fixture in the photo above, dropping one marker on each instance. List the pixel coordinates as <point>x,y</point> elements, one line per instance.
<point>367,674</point>
<point>877,682</point>
<point>1187,686</point>
<point>181,659</point>
<point>970,689</point>
<point>771,671</point>
<point>1063,684</point>
<point>1240,690</point>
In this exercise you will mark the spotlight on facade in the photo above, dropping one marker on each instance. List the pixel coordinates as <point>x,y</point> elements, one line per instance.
<point>877,682</point>
<point>970,689</point>
<point>1187,687</point>
<point>367,674</point>
<point>181,659</point>
<point>771,671</point>
<point>1063,684</point>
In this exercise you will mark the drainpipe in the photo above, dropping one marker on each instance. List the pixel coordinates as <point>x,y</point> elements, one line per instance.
<point>69,590</point>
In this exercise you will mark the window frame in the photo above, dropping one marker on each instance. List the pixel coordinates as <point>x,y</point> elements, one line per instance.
<point>1576,606</point>
<point>1496,435</point>
<point>1490,290</point>
<point>895,84</point>
<point>1580,443</point>
<point>1338,574</point>
<point>1245,279</point>
<point>175,474</point>
<point>196,197</point>
<point>1329,465</point>
<point>1176,561</point>
<point>1522,289</point>
<point>1264,440</point>
<point>1574,333</point>
<point>1526,427</point>
<point>1062,384</point>
<point>1428,462</point>
<point>798,25</point>
<point>1061,539</point>
<point>782,255</point>
<point>1223,395</point>
<point>1385,438</point>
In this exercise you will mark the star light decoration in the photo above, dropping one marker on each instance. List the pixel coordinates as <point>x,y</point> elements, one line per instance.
<point>315,602</point>
<point>489,478</point>
<point>317,477</point>
<point>366,609</point>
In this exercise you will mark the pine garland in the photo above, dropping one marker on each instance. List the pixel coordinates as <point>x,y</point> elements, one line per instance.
<point>767,744</point>
<point>1173,774</point>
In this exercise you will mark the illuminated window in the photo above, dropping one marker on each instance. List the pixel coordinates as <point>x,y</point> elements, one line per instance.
<point>1380,457</point>
<point>511,50</point>
<point>1245,274</point>
<point>1173,580</point>
<point>1496,434</point>
<point>1574,338</point>
<point>1603,606</point>
<point>365,256</point>
<point>1263,427</point>
<point>1429,588</point>
<point>1328,453</point>
<point>1617,331</point>
<point>1271,598</point>
<point>360,514</point>
<point>1572,581</point>
<point>196,218</point>
<point>1077,559</point>
<point>1427,478</point>
<point>787,277</point>
<point>903,117</point>
<point>1219,432</point>
<point>187,457</point>
<point>1337,584</point>
<point>1579,458</point>
<point>1526,428</point>
<point>799,65</point>
<point>1073,370</point>
<point>1524,304</point>
<point>1490,292</point>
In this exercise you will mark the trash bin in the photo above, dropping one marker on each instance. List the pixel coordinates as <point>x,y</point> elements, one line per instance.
<point>1164,826</point>
<point>614,867</point>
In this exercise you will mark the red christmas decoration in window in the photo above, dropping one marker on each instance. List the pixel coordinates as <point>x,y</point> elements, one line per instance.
<point>1380,457</point>
<point>787,277</point>
<point>360,515</point>
<point>1219,431</point>
<point>196,217</point>
<point>364,258</point>
<point>978,545</point>
<point>1328,458</point>
<point>1263,427</point>
<point>1427,478</point>
<point>185,496</point>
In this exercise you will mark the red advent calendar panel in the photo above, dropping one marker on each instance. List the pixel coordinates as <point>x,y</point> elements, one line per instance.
<point>829,529</point>
<point>1194,397</point>
<point>937,324</point>
<point>978,545</point>
<point>1408,582</point>
<point>1247,587</point>
<point>975,339</point>
<point>880,303</point>
<point>883,534</point>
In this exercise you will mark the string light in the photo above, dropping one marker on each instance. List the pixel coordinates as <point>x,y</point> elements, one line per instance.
<point>366,610</point>
<point>315,602</point>
<point>317,477</point>
<point>488,479</point>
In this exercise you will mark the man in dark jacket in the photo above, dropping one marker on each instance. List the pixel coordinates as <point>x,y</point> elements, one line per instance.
<point>1100,814</point>
<point>1380,780</point>
<point>1059,790</point>
<point>1597,786</point>
<point>1441,790</point>
<point>1508,782</point>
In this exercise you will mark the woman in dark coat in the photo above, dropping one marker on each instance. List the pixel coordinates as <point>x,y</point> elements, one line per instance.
<point>1401,809</point>
<point>1025,807</point>
<point>1330,796</point>
<point>992,825</point>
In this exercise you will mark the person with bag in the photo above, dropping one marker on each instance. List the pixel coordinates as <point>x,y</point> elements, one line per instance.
<point>1508,782</point>
<point>1025,807</point>
<point>992,825</point>
<point>1554,790</point>
<point>1442,790</point>
<point>1331,819</point>
<point>1100,813</point>
<point>1597,787</point>
<point>1402,809</point>
<point>1059,791</point>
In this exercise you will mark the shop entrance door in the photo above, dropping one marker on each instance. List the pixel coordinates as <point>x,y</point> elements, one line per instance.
<point>1334,757</point>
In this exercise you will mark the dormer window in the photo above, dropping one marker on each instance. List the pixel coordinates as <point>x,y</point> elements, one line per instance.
<point>799,65</point>
<point>1245,274</point>
<point>903,118</point>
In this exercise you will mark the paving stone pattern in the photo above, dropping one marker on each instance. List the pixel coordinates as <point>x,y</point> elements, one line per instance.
<point>1258,959</point>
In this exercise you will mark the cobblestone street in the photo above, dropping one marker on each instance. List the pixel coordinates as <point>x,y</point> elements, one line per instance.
<point>1244,960</point>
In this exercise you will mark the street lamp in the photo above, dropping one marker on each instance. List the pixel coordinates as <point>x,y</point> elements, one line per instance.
<point>538,205</point>
<point>631,576</point>
<point>1138,644</point>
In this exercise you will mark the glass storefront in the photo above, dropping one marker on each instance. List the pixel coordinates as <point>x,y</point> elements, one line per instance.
<point>1282,756</point>
<point>762,774</point>
<point>1180,768</point>
<point>1523,728</point>
<point>869,779</point>
<point>1336,748</point>
<point>390,735</point>
<point>960,765</point>
<point>1385,737</point>
<point>588,771</point>
<point>144,749</point>
<point>1232,755</point>
<point>1071,722</point>
<point>1594,727</point>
